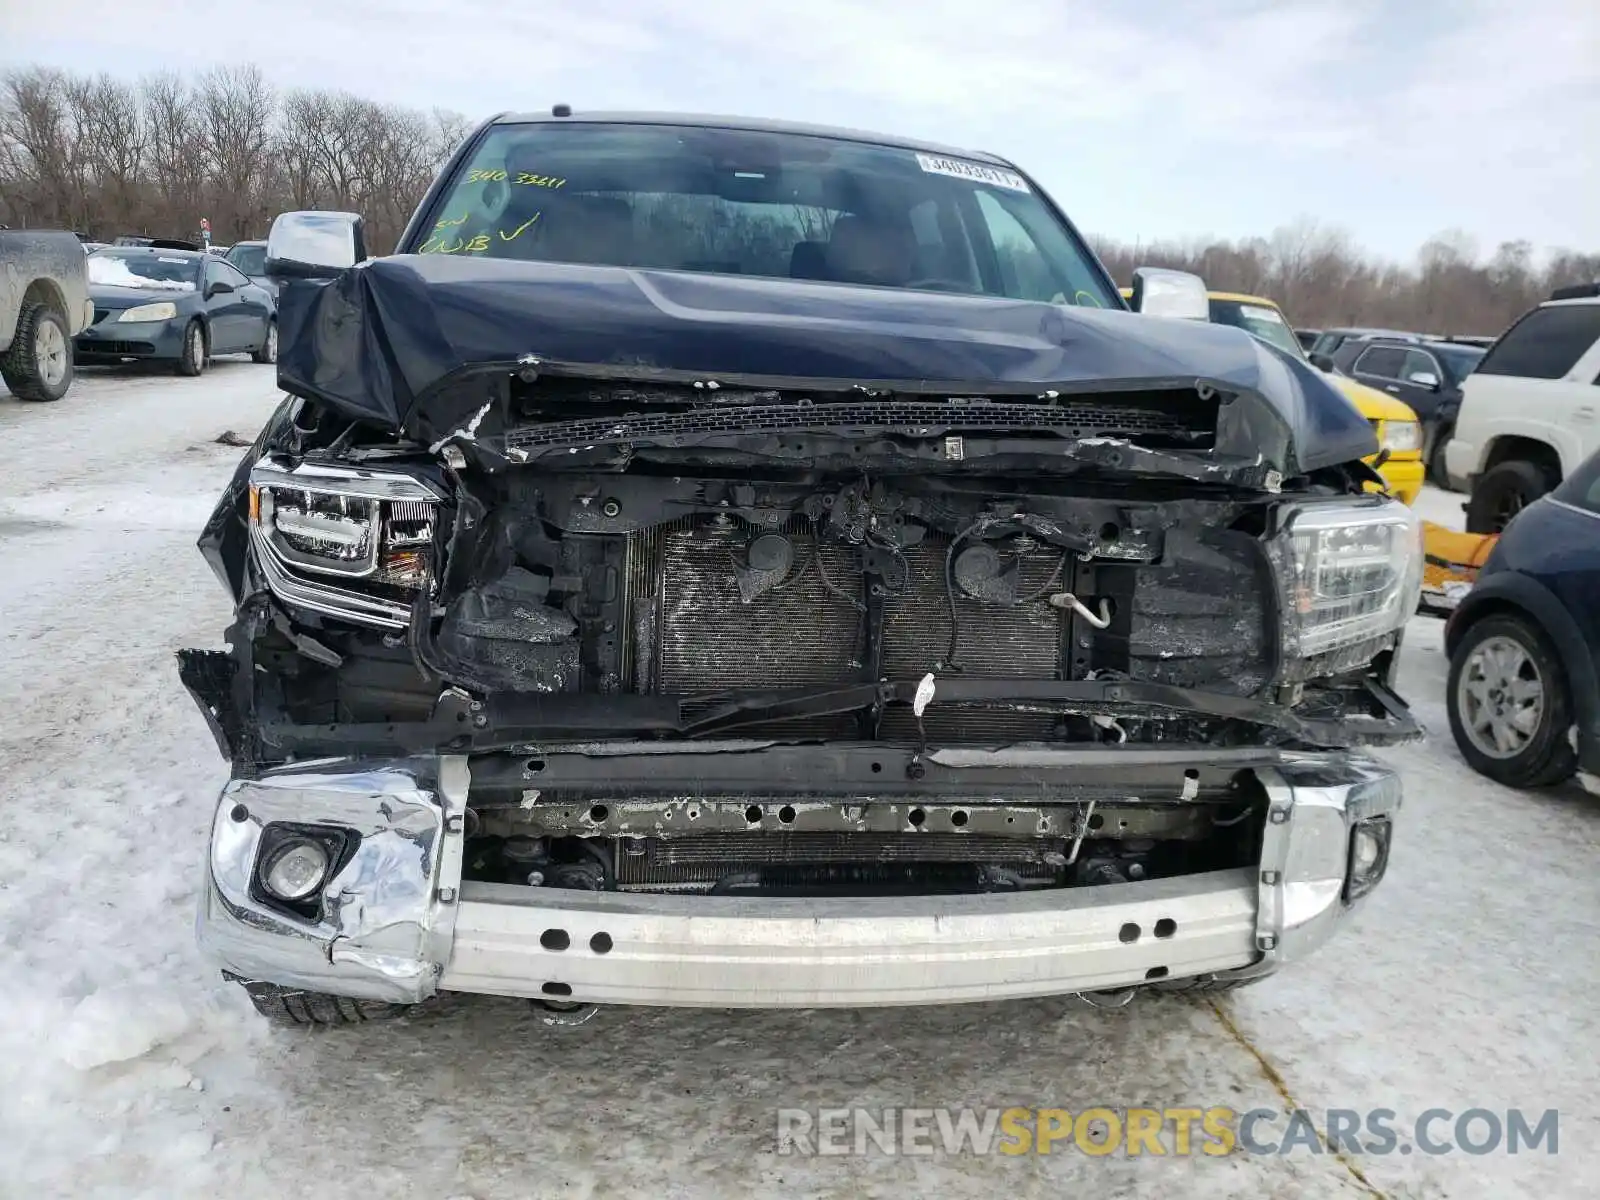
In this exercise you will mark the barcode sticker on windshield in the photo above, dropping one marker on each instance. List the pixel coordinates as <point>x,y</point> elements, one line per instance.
<point>960,168</point>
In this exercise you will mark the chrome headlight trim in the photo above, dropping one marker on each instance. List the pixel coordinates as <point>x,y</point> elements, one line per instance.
<point>380,495</point>
<point>324,598</point>
<point>345,481</point>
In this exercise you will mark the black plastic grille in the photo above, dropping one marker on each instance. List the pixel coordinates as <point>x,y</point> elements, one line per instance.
<point>124,348</point>
<point>1152,425</point>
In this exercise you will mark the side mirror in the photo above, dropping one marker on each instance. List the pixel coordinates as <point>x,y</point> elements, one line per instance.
<point>1321,362</point>
<point>314,245</point>
<point>1158,292</point>
<point>1425,379</point>
<point>216,289</point>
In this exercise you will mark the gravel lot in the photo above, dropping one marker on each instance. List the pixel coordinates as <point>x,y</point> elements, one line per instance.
<point>128,1069</point>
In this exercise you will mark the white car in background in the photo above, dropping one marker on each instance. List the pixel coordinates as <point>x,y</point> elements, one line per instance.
<point>1528,412</point>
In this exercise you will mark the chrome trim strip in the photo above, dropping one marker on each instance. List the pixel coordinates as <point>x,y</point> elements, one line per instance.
<point>350,481</point>
<point>324,598</point>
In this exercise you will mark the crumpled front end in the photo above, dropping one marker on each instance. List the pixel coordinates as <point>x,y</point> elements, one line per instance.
<point>379,924</point>
<point>644,692</point>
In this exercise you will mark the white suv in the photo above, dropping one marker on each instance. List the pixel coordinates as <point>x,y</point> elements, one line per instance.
<point>1528,410</point>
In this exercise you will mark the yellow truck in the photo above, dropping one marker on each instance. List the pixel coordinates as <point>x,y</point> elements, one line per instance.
<point>1452,558</point>
<point>1399,432</point>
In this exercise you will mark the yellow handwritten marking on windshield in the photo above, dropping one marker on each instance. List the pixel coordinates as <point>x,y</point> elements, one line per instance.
<point>441,245</point>
<point>480,175</point>
<point>444,222</point>
<point>526,179</point>
<point>511,237</point>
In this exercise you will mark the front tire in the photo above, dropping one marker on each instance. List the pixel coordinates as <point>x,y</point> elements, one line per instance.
<point>296,1007</point>
<point>1509,705</point>
<point>267,352</point>
<point>192,359</point>
<point>1503,491</point>
<point>39,364</point>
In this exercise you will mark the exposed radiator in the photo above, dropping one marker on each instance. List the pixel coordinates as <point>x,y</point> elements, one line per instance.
<point>691,631</point>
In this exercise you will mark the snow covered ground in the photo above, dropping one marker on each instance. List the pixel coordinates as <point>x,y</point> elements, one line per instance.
<point>128,1069</point>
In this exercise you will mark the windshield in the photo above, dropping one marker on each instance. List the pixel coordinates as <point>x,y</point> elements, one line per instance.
<point>1459,360</point>
<point>738,202</point>
<point>142,269</point>
<point>251,260</point>
<point>1263,321</point>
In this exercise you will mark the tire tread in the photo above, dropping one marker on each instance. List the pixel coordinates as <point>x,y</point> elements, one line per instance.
<point>296,1007</point>
<point>17,365</point>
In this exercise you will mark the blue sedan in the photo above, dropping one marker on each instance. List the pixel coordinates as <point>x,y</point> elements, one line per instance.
<point>1524,645</point>
<point>179,306</point>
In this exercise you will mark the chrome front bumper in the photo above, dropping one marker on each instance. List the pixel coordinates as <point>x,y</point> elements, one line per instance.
<point>399,924</point>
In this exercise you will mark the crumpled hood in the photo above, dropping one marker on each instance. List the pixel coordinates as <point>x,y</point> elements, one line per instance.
<point>373,343</point>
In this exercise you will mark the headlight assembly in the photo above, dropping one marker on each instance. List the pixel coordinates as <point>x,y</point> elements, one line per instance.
<point>1400,437</point>
<point>1349,573</point>
<point>343,541</point>
<point>163,310</point>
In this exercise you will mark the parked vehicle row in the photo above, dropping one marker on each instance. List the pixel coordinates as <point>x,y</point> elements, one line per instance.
<point>1401,438</point>
<point>65,301</point>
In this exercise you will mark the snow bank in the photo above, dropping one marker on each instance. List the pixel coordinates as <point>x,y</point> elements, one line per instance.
<point>117,1023</point>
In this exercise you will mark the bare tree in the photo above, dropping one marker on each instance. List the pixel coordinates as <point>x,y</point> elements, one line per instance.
<point>235,111</point>
<point>176,168</point>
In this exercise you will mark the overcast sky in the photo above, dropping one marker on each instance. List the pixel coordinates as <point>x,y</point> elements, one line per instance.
<point>1394,119</point>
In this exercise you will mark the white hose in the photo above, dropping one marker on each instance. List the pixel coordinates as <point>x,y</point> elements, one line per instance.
<point>1068,600</point>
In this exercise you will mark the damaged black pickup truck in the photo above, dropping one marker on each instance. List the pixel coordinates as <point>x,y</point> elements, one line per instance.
<point>723,563</point>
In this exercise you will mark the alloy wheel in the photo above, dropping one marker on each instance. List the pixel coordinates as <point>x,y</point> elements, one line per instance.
<point>50,353</point>
<point>1501,697</point>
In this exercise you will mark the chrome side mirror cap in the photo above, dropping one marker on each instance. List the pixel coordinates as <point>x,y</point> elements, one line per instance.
<point>1158,292</point>
<point>314,245</point>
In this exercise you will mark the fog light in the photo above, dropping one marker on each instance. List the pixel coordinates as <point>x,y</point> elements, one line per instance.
<point>1369,856</point>
<point>296,869</point>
